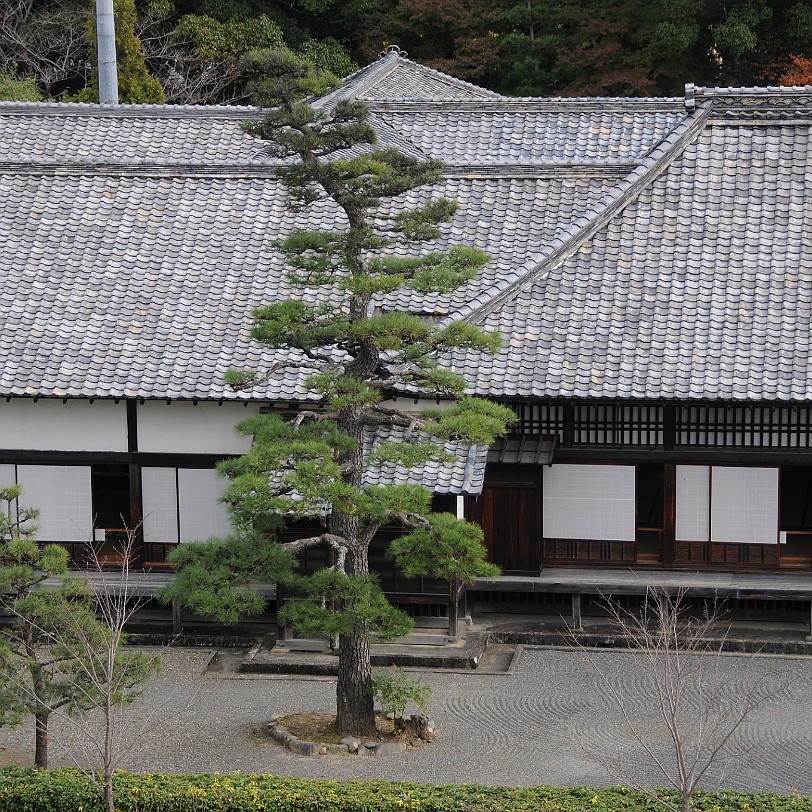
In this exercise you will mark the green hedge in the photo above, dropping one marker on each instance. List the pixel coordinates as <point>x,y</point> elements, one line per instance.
<point>32,790</point>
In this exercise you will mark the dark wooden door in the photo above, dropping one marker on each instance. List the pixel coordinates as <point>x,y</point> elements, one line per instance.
<point>510,517</point>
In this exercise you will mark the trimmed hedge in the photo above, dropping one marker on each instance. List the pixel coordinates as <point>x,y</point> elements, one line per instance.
<point>32,790</point>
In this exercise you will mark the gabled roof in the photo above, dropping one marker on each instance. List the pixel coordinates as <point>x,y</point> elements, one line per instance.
<point>395,77</point>
<point>651,248</point>
<point>696,284</point>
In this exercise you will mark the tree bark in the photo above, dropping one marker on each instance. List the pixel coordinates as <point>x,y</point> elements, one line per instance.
<point>355,707</point>
<point>41,740</point>
<point>109,754</point>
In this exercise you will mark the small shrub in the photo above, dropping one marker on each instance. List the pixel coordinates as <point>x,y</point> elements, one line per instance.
<point>394,690</point>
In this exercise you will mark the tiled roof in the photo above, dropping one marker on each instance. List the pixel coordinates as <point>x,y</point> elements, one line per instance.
<point>464,474</point>
<point>701,288</point>
<point>639,248</point>
<point>394,77</point>
<point>521,132</point>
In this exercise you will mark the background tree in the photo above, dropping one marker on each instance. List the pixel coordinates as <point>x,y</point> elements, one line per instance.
<point>797,70</point>
<point>135,84</point>
<point>12,89</point>
<point>353,358</point>
<point>56,656</point>
<point>518,47</point>
<point>109,677</point>
<point>46,42</point>
<point>37,677</point>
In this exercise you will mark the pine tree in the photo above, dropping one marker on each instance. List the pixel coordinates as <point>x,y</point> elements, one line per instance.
<point>55,655</point>
<point>354,356</point>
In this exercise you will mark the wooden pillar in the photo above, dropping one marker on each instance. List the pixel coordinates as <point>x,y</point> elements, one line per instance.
<point>136,523</point>
<point>577,622</point>
<point>281,627</point>
<point>453,608</point>
<point>809,636</point>
<point>668,543</point>
<point>665,608</point>
<point>177,624</point>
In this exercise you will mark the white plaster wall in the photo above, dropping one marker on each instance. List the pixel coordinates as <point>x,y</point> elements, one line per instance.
<point>50,425</point>
<point>183,428</point>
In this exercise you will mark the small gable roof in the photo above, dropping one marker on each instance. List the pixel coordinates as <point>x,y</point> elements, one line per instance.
<point>640,248</point>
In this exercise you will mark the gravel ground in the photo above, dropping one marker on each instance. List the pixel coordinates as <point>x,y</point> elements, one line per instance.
<point>552,720</point>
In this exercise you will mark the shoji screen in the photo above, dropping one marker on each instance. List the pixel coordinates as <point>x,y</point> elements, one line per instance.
<point>727,505</point>
<point>159,494</point>
<point>693,503</point>
<point>589,502</point>
<point>64,498</point>
<point>744,505</point>
<point>202,515</point>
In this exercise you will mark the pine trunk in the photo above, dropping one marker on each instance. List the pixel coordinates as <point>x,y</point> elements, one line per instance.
<point>355,705</point>
<point>355,709</point>
<point>41,740</point>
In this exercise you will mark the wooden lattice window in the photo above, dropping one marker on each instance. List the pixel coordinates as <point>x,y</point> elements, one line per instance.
<point>707,425</point>
<point>617,424</point>
<point>537,418</point>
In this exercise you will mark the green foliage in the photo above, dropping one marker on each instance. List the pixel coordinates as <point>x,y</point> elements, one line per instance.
<point>14,89</point>
<point>448,548</point>
<point>215,578</point>
<point>395,690</point>
<point>15,522</point>
<point>328,55</point>
<point>280,77</point>
<point>475,420</point>
<point>234,38</point>
<point>40,671</point>
<point>336,604</point>
<point>295,324</point>
<point>27,790</point>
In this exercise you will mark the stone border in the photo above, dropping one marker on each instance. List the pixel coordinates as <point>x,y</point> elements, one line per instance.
<point>350,746</point>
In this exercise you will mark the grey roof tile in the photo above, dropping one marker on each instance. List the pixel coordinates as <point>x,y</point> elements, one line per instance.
<point>684,272</point>
<point>729,326</point>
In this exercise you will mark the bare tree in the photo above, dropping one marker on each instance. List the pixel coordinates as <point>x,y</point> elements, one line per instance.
<point>47,42</point>
<point>103,677</point>
<point>186,76</point>
<point>691,706</point>
<point>116,677</point>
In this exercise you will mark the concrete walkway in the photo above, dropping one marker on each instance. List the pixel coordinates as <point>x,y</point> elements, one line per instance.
<point>551,718</point>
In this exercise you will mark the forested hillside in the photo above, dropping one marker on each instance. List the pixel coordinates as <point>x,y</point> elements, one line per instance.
<point>196,49</point>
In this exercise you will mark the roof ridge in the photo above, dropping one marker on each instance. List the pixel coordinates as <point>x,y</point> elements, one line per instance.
<point>533,104</point>
<point>700,92</point>
<point>585,168</point>
<point>588,223</point>
<point>359,82</point>
<point>71,109</point>
<point>453,81</point>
